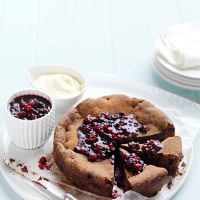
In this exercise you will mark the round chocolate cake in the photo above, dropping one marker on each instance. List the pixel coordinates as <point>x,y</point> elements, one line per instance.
<point>117,142</point>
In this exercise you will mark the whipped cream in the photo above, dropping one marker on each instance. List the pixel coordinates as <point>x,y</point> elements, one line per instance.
<point>58,85</point>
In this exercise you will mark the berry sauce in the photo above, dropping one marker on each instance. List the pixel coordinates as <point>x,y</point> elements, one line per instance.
<point>98,136</point>
<point>133,163</point>
<point>151,147</point>
<point>29,107</point>
<point>135,146</point>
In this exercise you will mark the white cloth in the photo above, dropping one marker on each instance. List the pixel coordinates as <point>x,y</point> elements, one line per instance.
<point>180,46</point>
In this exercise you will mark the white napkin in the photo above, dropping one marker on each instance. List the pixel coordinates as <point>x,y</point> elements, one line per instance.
<point>180,46</point>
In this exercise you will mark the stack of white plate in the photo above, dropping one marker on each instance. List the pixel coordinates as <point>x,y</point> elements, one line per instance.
<point>187,78</point>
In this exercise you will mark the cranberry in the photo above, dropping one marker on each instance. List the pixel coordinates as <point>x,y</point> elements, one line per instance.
<point>92,158</point>
<point>43,164</point>
<point>29,107</point>
<point>24,169</point>
<point>23,104</point>
<point>151,147</point>
<point>92,139</point>
<point>118,138</point>
<point>45,110</point>
<point>84,129</point>
<point>133,163</point>
<point>32,103</point>
<point>134,145</point>
<point>40,115</point>
<point>32,116</point>
<point>137,166</point>
<point>21,114</point>
<point>98,148</point>
<point>43,160</point>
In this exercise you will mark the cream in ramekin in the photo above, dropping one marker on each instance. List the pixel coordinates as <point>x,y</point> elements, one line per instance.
<point>65,85</point>
<point>29,132</point>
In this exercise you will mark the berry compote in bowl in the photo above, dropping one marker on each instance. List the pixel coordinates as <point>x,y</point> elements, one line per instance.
<point>29,118</point>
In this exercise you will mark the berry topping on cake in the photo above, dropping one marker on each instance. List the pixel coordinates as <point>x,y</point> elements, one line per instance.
<point>151,147</point>
<point>133,163</point>
<point>98,136</point>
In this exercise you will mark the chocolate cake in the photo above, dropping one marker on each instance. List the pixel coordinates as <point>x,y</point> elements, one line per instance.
<point>88,140</point>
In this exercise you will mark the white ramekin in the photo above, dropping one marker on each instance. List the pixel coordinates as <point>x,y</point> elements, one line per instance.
<point>29,134</point>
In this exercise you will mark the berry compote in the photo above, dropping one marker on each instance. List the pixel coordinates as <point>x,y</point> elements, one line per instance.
<point>133,163</point>
<point>29,107</point>
<point>151,147</point>
<point>98,136</point>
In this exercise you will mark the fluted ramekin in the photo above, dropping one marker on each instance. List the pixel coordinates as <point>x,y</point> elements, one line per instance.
<point>29,134</point>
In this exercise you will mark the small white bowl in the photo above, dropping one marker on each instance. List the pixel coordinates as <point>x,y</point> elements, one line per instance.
<point>61,104</point>
<point>29,134</point>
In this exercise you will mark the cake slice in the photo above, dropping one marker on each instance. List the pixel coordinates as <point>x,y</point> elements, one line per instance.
<point>168,156</point>
<point>150,181</point>
<point>144,179</point>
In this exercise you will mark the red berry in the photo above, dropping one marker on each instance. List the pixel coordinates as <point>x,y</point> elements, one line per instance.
<point>44,110</point>
<point>118,138</point>
<point>32,103</point>
<point>40,115</point>
<point>84,129</point>
<point>43,160</point>
<point>22,115</point>
<point>92,158</point>
<point>32,116</point>
<point>41,166</point>
<point>137,166</point>
<point>23,104</point>
<point>92,139</point>
<point>28,108</point>
<point>98,148</point>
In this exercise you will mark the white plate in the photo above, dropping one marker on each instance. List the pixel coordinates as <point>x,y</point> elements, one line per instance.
<point>173,78</point>
<point>191,73</point>
<point>101,84</point>
<point>183,79</point>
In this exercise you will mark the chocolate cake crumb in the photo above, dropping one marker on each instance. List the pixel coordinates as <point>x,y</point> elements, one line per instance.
<point>12,160</point>
<point>180,173</point>
<point>24,169</point>
<point>169,185</point>
<point>183,164</point>
<point>46,179</point>
<point>39,184</point>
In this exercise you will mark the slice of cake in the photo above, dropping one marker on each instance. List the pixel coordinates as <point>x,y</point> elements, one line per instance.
<point>167,154</point>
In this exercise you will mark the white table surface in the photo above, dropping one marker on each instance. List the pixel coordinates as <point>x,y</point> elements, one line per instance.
<point>108,36</point>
